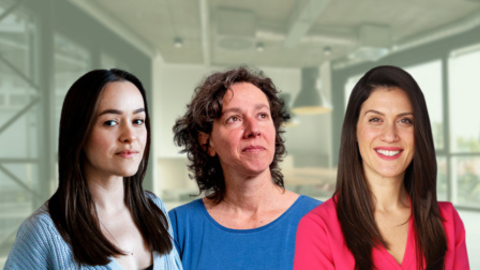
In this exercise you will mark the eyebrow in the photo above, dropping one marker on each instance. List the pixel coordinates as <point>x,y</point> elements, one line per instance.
<point>236,109</point>
<point>113,111</point>
<point>261,106</point>
<point>382,114</point>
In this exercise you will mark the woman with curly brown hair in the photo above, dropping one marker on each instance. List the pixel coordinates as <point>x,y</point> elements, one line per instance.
<point>231,133</point>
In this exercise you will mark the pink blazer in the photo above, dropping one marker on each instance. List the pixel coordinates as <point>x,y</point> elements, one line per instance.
<point>320,243</point>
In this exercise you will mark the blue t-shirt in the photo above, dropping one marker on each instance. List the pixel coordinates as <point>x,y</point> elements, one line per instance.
<point>205,244</point>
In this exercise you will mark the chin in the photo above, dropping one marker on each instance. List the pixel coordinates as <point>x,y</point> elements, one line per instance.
<point>127,170</point>
<point>128,173</point>
<point>257,171</point>
<point>391,174</point>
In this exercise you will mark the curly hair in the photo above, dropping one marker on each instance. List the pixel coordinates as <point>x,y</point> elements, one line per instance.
<point>205,107</point>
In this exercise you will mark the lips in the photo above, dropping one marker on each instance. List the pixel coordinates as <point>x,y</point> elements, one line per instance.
<point>388,153</point>
<point>253,149</point>
<point>127,153</point>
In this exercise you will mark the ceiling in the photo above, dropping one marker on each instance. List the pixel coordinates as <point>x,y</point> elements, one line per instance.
<point>292,33</point>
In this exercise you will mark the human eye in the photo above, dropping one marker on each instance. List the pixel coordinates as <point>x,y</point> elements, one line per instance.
<point>407,121</point>
<point>374,119</point>
<point>110,123</point>
<point>263,115</point>
<point>138,121</point>
<point>232,119</point>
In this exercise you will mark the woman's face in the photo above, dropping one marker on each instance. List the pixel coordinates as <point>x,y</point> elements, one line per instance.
<point>118,136</point>
<point>244,136</point>
<point>385,133</point>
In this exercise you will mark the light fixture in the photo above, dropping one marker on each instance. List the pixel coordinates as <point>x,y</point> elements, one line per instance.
<point>309,100</point>
<point>374,43</point>
<point>260,47</point>
<point>293,121</point>
<point>178,42</point>
<point>327,50</point>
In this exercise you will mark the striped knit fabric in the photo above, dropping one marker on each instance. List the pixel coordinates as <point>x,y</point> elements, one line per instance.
<point>40,246</point>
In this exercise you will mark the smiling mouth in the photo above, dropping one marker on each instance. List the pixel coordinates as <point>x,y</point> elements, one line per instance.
<point>388,153</point>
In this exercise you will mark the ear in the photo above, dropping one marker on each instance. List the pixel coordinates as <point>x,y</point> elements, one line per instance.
<point>204,140</point>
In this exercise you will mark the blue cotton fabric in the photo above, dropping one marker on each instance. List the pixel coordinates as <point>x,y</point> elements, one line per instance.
<point>39,245</point>
<point>205,244</point>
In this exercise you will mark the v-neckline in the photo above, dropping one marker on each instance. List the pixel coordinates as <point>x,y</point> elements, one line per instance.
<point>409,253</point>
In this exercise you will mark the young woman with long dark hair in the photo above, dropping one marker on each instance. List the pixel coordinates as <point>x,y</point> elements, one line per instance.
<point>384,213</point>
<point>100,216</point>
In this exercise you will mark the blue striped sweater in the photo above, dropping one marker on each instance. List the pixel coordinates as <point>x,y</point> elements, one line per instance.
<point>39,245</point>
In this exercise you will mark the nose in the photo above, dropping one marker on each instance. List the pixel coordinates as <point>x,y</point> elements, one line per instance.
<point>252,129</point>
<point>390,133</point>
<point>127,134</point>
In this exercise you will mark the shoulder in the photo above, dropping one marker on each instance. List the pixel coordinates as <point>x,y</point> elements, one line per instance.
<point>187,220</point>
<point>191,208</point>
<point>456,256</point>
<point>303,205</point>
<point>326,209</point>
<point>39,223</point>
<point>155,199</point>
<point>38,243</point>
<point>448,212</point>
<point>322,214</point>
<point>187,214</point>
<point>446,207</point>
<point>308,202</point>
<point>450,216</point>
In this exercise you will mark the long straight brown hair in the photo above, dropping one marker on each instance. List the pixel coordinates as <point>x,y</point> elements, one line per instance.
<point>354,204</point>
<point>71,207</point>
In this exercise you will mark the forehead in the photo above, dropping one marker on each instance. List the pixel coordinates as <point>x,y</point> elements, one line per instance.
<point>118,95</point>
<point>244,94</point>
<point>388,99</point>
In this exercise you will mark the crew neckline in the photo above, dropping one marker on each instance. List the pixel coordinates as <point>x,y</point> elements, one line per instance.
<point>246,231</point>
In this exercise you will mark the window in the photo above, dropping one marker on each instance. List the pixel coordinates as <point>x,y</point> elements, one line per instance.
<point>429,78</point>
<point>351,82</point>
<point>464,133</point>
<point>18,117</point>
<point>71,62</point>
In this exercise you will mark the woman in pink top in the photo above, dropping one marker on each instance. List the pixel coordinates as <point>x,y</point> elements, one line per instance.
<point>384,213</point>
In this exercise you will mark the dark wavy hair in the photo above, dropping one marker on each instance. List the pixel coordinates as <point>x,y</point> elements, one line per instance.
<point>71,207</point>
<point>355,208</point>
<point>205,107</point>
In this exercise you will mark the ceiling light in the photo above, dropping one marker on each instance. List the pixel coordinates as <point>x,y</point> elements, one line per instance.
<point>369,53</point>
<point>374,43</point>
<point>178,42</point>
<point>310,100</point>
<point>260,47</point>
<point>327,50</point>
<point>293,121</point>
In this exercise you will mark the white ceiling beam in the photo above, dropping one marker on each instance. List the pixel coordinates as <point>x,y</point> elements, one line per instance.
<point>116,26</point>
<point>205,28</point>
<point>460,26</point>
<point>303,16</point>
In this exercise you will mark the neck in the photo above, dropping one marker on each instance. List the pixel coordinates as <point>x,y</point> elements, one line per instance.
<point>249,193</point>
<point>388,193</point>
<point>107,193</point>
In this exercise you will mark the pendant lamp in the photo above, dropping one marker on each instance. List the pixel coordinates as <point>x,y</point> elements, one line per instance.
<point>310,100</point>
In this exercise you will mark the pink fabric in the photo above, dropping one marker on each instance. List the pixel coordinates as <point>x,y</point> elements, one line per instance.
<point>320,243</point>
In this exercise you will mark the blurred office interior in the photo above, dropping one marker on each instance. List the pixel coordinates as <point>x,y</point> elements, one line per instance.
<point>314,50</point>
